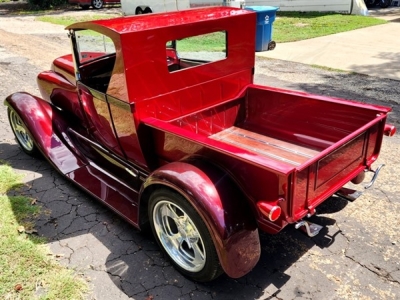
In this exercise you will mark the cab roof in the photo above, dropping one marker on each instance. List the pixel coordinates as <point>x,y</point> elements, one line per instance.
<point>129,24</point>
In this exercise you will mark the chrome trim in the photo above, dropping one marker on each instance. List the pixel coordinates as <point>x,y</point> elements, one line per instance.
<point>272,211</point>
<point>135,172</point>
<point>179,236</point>
<point>119,103</point>
<point>311,229</point>
<point>97,167</point>
<point>376,173</point>
<point>21,133</point>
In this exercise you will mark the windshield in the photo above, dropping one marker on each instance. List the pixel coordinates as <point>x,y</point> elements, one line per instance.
<point>91,45</point>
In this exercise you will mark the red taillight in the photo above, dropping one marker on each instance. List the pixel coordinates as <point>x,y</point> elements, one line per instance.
<point>389,130</point>
<point>272,212</point>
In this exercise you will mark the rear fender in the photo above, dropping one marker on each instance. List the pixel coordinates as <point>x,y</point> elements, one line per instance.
<point>47,129</point>
<point>220,204</point>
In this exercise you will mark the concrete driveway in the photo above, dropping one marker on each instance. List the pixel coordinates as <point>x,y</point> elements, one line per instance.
<point>372,51</point>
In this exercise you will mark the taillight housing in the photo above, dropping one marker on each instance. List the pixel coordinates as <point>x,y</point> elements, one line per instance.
<point>271,211</point>
<point>389,130</point>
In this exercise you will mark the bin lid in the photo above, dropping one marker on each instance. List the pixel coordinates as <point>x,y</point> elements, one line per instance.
<point>261,8</point>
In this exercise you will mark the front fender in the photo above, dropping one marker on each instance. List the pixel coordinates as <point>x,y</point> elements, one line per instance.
<point>221,205</point>
<point>47,129</point>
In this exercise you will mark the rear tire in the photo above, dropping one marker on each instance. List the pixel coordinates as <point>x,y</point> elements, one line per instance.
<point>147,10</point>
<point>22,134</point>
<point>183,236</point>
<point>138,11</point>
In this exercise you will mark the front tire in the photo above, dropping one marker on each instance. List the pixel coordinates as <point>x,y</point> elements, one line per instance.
<point>22,135</point>
<point>97,4</point>
<point>183,236</point>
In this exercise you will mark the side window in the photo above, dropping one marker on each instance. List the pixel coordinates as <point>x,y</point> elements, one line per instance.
<point>196,50</point>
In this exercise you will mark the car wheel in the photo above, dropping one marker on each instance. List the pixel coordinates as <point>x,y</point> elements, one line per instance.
<point>139,11</point>
<point>97,4</point>
<point>147,10</point>
<point>183,236</point>
<point>21,134</point>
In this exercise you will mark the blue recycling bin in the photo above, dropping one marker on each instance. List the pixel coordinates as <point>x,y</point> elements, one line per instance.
<point>265,17</point>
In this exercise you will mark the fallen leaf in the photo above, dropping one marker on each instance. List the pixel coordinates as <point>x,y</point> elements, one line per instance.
<point>150,297</point>
<point>59,255</point>
<point>33,201</point>
<point>32,231</point>
<point>18,287</point>
<point>21,229</point>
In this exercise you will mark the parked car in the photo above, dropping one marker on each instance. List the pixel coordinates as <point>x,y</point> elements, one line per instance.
<point>168,130</point>
<point>97,4</point>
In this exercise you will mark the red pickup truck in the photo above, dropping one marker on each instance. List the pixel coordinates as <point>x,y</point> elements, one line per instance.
<point>158,117</point>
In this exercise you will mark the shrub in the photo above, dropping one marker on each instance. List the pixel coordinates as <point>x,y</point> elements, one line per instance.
<point>46,3</point>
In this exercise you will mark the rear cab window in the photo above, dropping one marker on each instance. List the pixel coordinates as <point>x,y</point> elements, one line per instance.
<point>196,50</point>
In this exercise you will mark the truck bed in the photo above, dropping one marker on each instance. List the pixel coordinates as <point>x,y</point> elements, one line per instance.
<point>302,146</point>
<point>283,151</point>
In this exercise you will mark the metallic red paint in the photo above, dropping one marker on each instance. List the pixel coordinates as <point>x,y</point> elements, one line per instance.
<point>226,215</point>
<point>46,129</point>
<point>202,131</point>
<point>389,130</point>
<point>272,212</point>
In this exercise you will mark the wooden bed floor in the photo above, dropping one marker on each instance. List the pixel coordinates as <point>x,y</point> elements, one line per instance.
<point>264,145</point>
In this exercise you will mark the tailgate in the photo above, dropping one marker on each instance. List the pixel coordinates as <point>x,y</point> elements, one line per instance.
<point>321,177</point>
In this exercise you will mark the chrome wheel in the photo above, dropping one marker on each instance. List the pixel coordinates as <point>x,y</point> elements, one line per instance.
<point>179,236</point>
<point>182,234</point>
<point>97,4</point>
<point>20,132</point>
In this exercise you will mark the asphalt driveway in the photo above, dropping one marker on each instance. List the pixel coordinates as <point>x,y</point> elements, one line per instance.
<point>356,256</point>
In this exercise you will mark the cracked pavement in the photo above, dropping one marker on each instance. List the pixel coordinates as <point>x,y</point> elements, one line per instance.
<point>356,255</point>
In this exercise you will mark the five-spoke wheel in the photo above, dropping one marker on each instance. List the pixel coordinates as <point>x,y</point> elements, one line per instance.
<point>97,4</point>
<point>22,135</point>
<point>182,234</point>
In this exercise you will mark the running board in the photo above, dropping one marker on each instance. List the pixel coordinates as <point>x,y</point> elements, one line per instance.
<point>311,229</point>
<point>350,194</point>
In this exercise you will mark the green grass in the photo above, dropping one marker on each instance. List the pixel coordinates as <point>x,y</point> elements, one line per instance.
<point>288,26</point>
<point>27,269</point>
<point>68,20</point>
<point>296,26</point>
<point>211,42</point>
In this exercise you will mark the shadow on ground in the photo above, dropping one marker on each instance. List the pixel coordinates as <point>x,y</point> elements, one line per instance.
<point>97,242</point>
